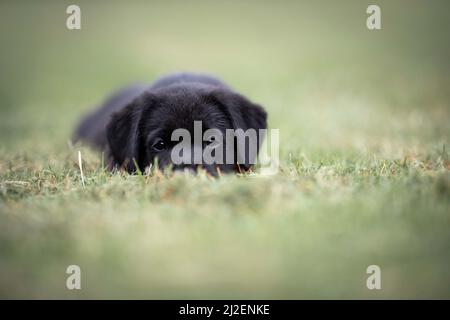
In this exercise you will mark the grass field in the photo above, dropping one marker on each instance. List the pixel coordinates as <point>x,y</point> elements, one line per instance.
<point>364,136</point>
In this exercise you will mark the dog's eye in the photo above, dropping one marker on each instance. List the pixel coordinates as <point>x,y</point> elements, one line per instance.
<point>159,145</point>
<point>210,140</point>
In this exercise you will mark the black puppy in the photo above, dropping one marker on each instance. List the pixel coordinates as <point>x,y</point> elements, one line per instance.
<point>135,125</point>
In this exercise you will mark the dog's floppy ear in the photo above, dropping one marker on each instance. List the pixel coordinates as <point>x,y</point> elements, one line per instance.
<point>122,133</point>
<point>243,114</point>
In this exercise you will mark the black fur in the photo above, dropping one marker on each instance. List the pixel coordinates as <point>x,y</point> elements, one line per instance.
<point>128,123</point>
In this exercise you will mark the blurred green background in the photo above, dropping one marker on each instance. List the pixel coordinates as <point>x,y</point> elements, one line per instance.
<point>364,178</point>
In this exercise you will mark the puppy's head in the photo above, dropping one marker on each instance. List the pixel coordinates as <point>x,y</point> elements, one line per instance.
<point>143,131</point>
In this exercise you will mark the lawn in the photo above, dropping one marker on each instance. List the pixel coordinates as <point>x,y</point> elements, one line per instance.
<point>364,137</point>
